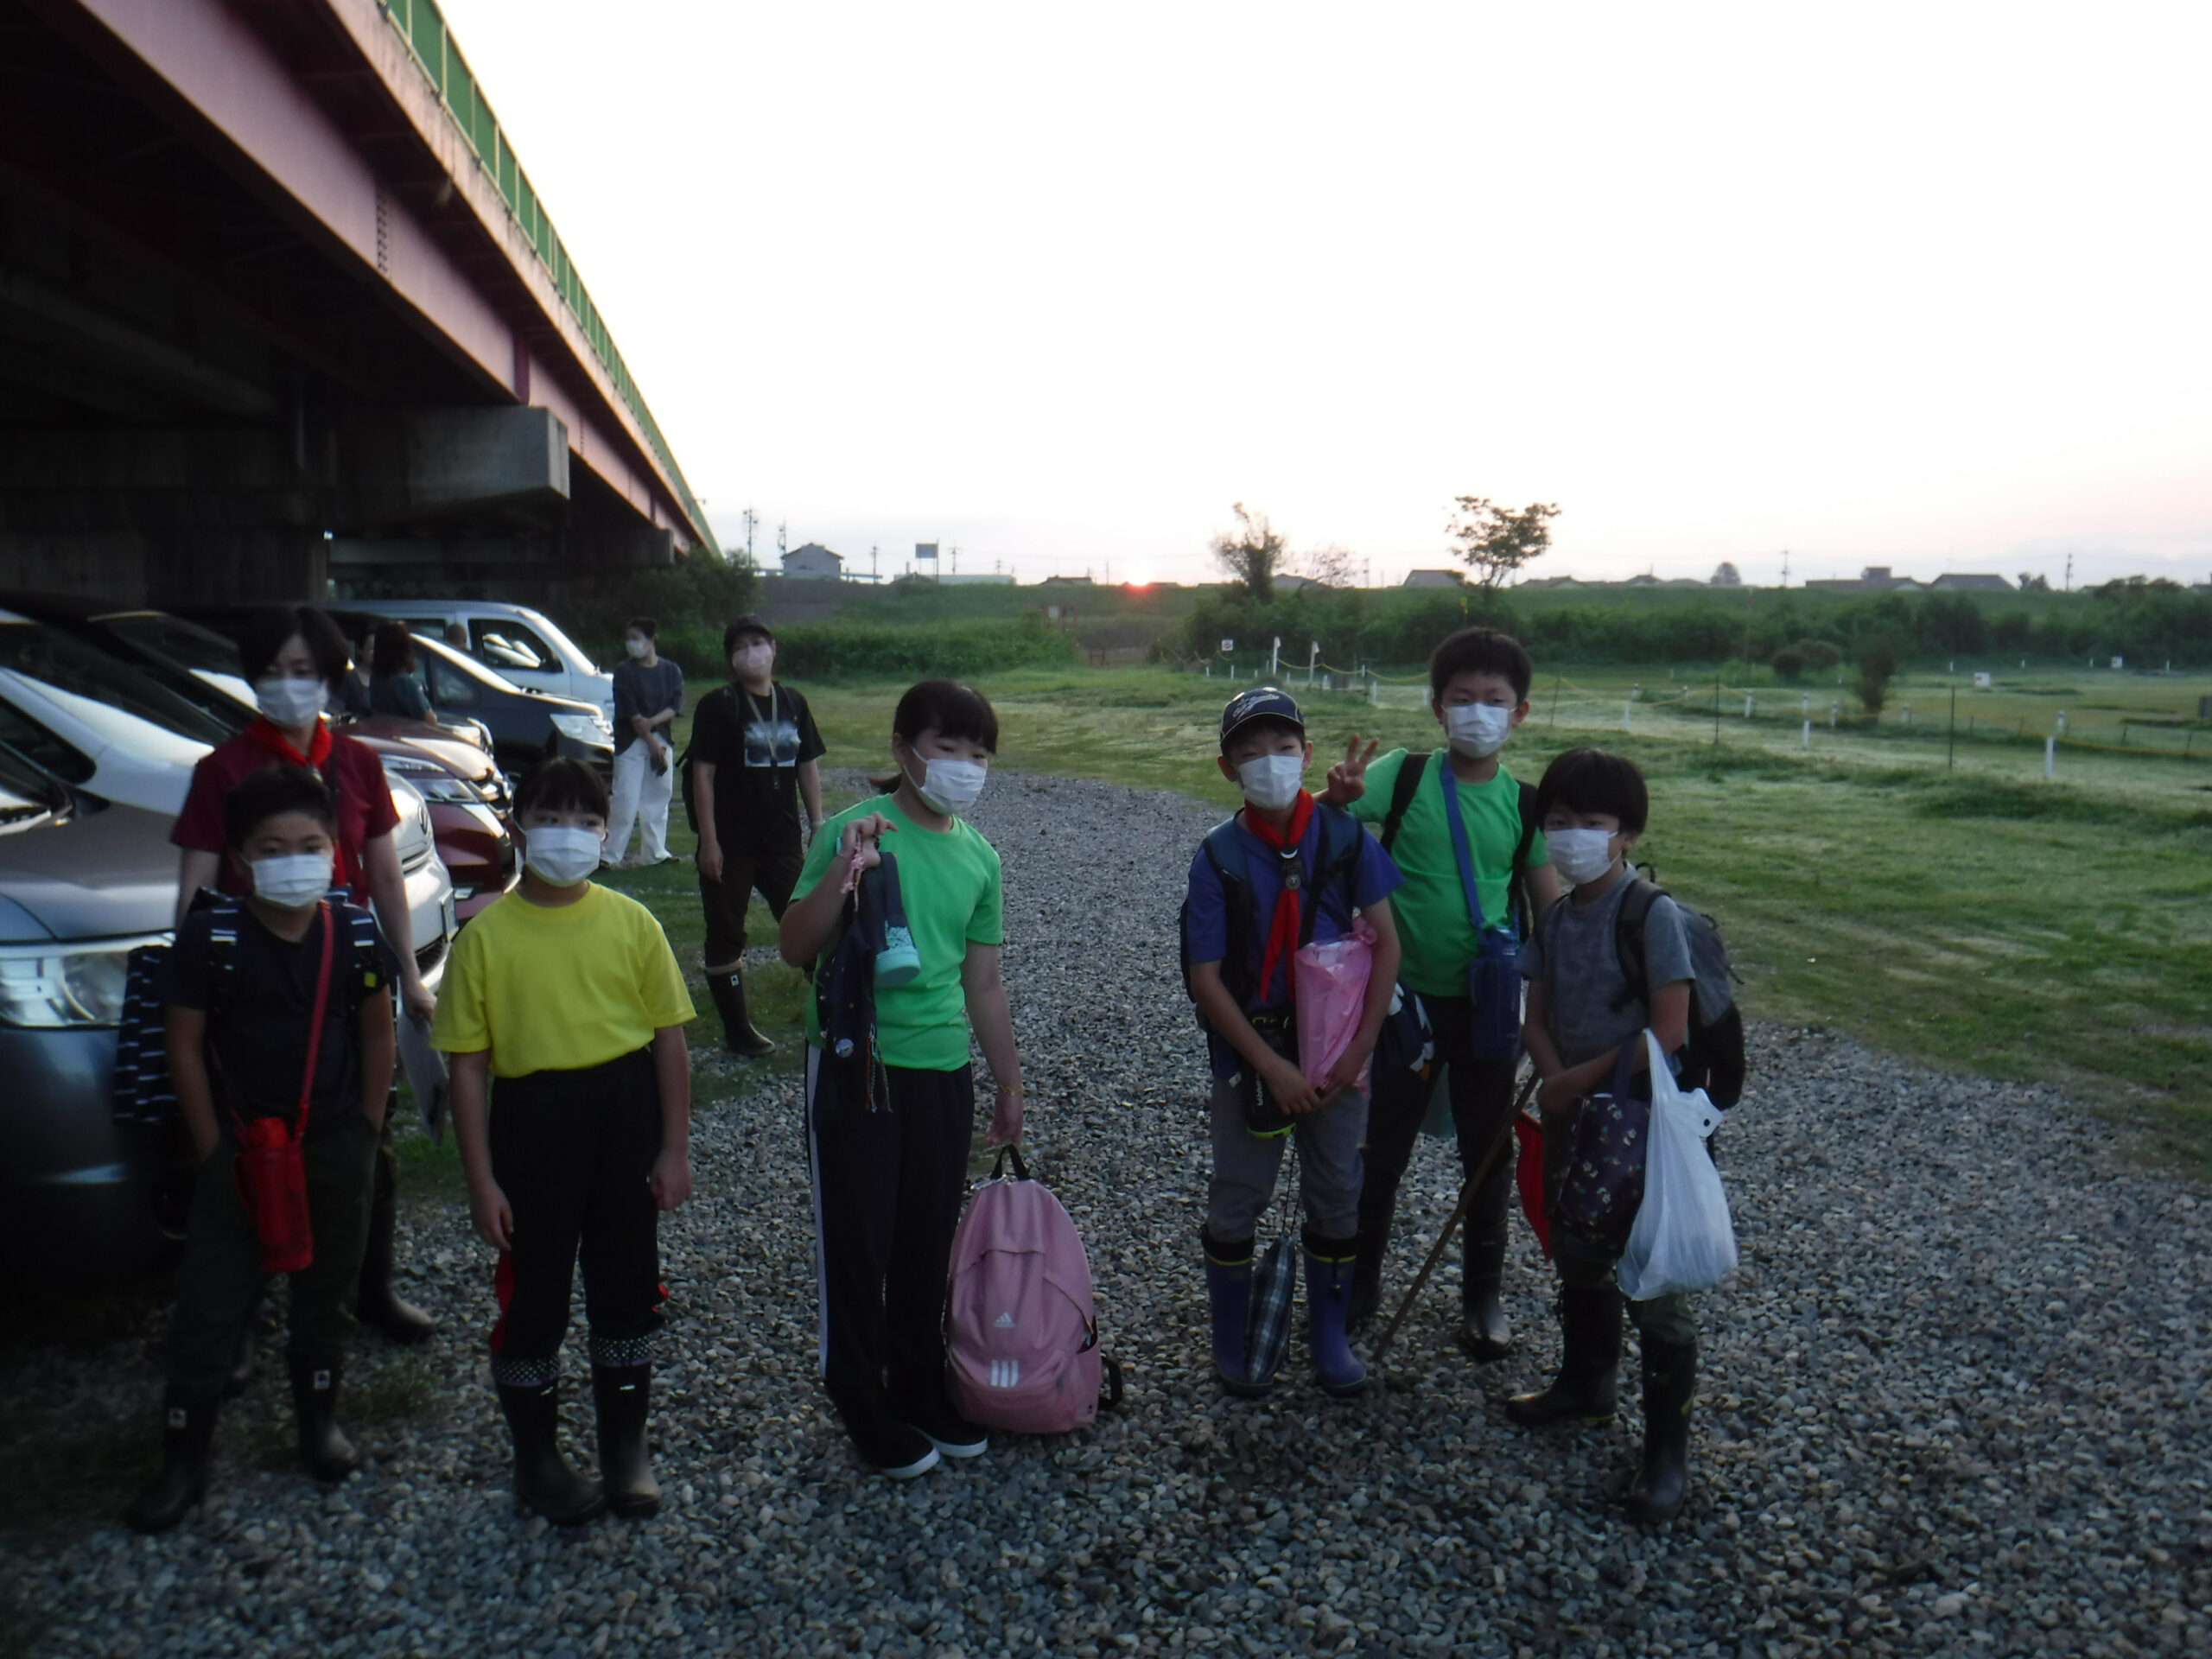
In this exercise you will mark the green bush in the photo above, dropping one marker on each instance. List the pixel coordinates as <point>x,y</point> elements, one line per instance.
<point>830,651</point>
<point>1789,666</point>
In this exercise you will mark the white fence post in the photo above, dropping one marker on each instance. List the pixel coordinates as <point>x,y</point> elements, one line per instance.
<point>1808,734</point>
<point>1628,713</point>
<point>2050,757</point>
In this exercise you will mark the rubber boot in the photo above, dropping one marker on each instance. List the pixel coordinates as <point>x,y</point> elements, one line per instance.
<point>1669,1388</point>
<point>1484,1332</point>
<point>1374,1244</point>
<point>1587,1388</point>
<point>1228,1292</point>
<point>188,1437</point>
<point>1328,1299</point>
<point>624,1397</point>
<point>324,1449</point>
<point>378,1304</point>
<point>738,1037</point>
<point>543,1481</point>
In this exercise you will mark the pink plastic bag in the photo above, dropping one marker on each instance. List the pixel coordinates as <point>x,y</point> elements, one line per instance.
<point>1331,983</point>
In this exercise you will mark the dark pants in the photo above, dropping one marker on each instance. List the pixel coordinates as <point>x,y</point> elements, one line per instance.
<point>772,870</point>
<point>888,1192</point>
<point>574,1153</point>
<point>1671,1317</point>
<point>1482,1105</point>
<point>220,1278</point>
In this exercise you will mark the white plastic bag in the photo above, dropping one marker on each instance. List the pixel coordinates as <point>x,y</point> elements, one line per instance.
<point>1682,1239</point>
<point>1330,982</point>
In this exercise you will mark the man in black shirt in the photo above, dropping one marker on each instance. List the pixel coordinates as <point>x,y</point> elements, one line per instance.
<point>753,749</point>
<point>247,1057</point>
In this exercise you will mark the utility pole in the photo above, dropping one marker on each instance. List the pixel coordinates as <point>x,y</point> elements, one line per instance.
<point>781,529</point>
<point>2069,572</point>
<point>872,554</point>
<point>955,558</point>
<point>751,519</point>
<point>1785,567</point>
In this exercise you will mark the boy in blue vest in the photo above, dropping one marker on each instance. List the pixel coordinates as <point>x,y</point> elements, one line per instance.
<point>1426,808</point>
<point>1285,871</point>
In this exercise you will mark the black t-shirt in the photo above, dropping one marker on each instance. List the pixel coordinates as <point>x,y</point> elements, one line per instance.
<point>258,1041</point>
<point>756,746</point>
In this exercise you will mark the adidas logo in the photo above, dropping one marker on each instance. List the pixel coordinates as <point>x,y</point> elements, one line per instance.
<point>1005,1373</point>
<point>1004,1322</point>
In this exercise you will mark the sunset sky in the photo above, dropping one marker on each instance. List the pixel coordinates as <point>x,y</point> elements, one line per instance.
<point>1927,286</point>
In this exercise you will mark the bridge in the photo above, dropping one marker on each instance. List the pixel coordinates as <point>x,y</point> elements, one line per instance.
<point>280,309</point>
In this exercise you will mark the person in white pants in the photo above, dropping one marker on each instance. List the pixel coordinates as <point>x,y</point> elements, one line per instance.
<point>648,697</point>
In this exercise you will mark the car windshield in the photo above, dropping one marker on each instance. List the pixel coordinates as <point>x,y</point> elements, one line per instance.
<point>28,797</point>
<point>186,643</point>
<point>113,699</point>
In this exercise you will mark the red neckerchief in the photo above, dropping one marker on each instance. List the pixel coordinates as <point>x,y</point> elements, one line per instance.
<point>1283,929</point>
<point>317,760</point>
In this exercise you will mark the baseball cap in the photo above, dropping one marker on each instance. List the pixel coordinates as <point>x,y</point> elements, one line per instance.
<point>1260,703</point>
<point>743,625</point>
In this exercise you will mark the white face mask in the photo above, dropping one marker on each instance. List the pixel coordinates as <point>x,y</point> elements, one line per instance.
<point>634,645</point>
<point>288,701</point>
<point>753,661</point>
<point>1581,856</point>
<point>294,880</point>
<point>1477,729</point>
<point>560,855</point>
<point>950,786</point>
<point>1271,781</point>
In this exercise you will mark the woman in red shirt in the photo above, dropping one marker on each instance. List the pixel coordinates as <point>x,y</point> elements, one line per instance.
<point>295,658</point>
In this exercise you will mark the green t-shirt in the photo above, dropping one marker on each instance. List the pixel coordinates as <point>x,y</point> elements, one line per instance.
<point>1433,929</point>
<point>949,882</point>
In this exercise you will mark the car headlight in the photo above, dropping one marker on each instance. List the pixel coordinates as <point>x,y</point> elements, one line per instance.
<point>50,987</point>
<point>584,728</point>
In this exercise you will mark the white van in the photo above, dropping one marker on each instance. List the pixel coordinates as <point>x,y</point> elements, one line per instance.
<point>515,642</point>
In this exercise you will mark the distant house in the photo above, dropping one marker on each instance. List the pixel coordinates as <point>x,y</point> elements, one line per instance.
<point>1067,581</point>
<point>1550,581</point>
<point>813,563</point>
<point>1646,580</point>
<point>1971,583</point>
<point>1874,579</point>
<point>1434,579</point>
<point>1292,584</point>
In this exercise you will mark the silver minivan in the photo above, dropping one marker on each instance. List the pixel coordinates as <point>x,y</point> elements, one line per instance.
<point>514,641</point>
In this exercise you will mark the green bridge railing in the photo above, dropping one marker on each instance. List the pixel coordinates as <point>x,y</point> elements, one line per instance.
<point>424,27</point>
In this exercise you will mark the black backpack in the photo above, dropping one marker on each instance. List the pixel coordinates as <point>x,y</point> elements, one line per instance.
<point>1338,855</point>
<point>1411,771</point>
<point>1713,1059</point>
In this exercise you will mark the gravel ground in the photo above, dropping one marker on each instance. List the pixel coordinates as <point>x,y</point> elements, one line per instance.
<point>1954,1402</point>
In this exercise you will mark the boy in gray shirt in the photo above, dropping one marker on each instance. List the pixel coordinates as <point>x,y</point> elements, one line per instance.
<point>1582,1008</point>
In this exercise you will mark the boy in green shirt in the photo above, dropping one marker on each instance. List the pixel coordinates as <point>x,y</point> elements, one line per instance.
<point>1478,691</point>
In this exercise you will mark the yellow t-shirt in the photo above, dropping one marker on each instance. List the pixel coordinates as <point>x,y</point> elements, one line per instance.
<point>559,987</point>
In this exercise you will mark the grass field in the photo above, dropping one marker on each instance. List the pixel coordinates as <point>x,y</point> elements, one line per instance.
<point>1977,919</point>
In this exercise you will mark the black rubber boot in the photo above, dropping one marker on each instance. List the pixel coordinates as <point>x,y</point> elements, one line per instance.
<point>543,1481</point>
<point>1484,1332</point>
<point>1587,1388</point>
<point>624,1398</point>
<point>1669,1388</point>
<point>324,1449</point>
<point>378,1304</point>
<point>1374,1248</point>
<point>738,1037</point>
<point>188,1437</point>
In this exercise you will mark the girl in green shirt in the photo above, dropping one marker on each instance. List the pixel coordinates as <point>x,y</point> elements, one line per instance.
<point>888,1184</point>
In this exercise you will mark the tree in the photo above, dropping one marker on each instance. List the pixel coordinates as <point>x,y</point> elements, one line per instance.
<point>2034,584</point>
<point>1328,567</point>
<point>1727,576</point>
<point>1495,541</point>
<point>1253,555</point>
<point>1877,666</point>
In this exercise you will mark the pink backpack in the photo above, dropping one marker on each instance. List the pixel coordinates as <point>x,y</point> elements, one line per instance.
<point>1021,1333</point>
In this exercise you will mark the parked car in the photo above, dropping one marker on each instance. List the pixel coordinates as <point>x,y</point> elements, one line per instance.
<point>83,883</point>
<point>525,725</point>
<point>101,725</point>
<point>451,768</point>
<point>517,643</point>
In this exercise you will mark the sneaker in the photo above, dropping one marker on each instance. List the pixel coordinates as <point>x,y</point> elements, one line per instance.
<point>898,1450</point>
<point>947,1430</point>
<point>898,962</point>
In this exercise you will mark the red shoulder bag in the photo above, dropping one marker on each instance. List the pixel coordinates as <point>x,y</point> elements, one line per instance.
<point>270,1172</point>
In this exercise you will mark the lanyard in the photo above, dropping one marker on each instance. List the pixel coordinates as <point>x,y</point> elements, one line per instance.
<point>1459,847</point>
<point>775,709</point>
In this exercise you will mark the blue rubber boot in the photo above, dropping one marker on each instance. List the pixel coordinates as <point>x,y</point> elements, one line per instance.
<point>1329,1267</point>
<point>1228,1289</point>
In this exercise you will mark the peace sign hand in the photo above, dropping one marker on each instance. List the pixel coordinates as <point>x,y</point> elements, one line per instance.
<point>1348,778</point>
